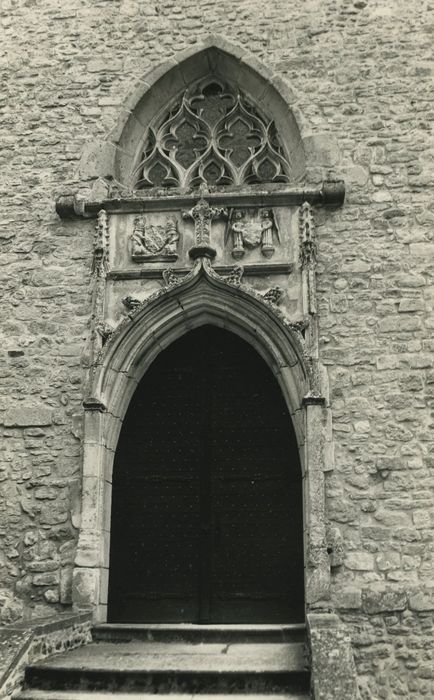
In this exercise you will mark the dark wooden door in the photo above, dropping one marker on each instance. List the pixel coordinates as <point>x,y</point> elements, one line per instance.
<point>207,502</point>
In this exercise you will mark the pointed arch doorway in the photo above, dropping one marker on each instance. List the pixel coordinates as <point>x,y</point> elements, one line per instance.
<point>207,521</point>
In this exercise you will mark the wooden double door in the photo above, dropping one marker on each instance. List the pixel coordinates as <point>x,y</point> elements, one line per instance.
<point>207,499</point>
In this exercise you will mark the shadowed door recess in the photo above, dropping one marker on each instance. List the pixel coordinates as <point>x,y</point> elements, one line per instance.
<point>207,497</point>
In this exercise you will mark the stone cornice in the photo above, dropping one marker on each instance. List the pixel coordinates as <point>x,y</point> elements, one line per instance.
<point>331,193</point>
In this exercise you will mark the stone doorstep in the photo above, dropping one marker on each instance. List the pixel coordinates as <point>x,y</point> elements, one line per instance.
<point>174,657</point>
<point>84,695</point>
<point>161,667</point>
<point>187,632</point>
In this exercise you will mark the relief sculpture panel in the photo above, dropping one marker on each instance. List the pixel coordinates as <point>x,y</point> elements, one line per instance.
<point>157,242</point>
<point>253,228</point>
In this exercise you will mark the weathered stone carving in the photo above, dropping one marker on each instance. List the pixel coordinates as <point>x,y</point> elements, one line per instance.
<point>154,242</point>
<point>213,135</point>
<point>105,330</point>
<point>307,236</point>
<point>100,244</point>
<point>98,288</point>
<point>202,215</point>
<point>235,275</point>
<point>308,255</point>
<point>274,295</point>
<point>131,303</point>
<point>171,277</point>
<point>253,228</point>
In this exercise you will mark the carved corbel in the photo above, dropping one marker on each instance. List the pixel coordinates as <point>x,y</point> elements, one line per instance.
<point>131,303</point>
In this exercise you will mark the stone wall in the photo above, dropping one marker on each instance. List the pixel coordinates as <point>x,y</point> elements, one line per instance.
<point>361,74</point>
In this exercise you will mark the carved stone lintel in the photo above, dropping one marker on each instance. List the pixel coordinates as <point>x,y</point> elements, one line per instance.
<point>127,201</point>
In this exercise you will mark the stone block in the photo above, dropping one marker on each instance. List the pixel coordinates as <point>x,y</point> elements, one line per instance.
<point>421,519</point>
<point>359,561</point>
<point>387,561</point>
<point>349,598</point>
<point>50,578</point>
<point>333,668</point>
<point>424,250</point>
<point>383,599</point>
<point>422,600</point>
<point>66,585</point>
<point>25,416</point>
<point>322,148</point>
<point>85,584</point>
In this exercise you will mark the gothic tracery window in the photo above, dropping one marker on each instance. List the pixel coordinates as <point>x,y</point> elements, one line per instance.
<point>213,135</point>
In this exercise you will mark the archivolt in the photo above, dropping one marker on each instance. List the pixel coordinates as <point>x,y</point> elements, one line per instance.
<point>202,297</point>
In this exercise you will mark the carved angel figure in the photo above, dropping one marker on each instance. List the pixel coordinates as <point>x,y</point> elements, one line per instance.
<point>252,231</point>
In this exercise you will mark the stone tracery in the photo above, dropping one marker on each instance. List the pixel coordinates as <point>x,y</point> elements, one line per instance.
<point>214,135</point>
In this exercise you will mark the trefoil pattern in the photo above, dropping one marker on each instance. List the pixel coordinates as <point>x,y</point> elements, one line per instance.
<point>214,136</point>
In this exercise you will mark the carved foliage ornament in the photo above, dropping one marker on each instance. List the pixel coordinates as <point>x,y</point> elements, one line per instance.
<point>212,135</point>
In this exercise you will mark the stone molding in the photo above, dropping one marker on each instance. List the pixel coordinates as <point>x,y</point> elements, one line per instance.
<point>185,302</point>
<point>331,193</point>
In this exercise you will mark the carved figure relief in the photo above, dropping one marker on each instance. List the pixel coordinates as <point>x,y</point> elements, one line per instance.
<point>253,228</point>
<point>203,215</point>
<point>213,135</point>
<point>156,241</point>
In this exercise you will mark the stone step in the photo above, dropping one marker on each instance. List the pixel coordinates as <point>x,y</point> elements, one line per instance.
<point>95,695</point>
<point>159,667</point>
<point>112,632</point>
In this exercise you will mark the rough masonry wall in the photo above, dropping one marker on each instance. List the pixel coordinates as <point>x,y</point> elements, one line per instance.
<point>361,73</point>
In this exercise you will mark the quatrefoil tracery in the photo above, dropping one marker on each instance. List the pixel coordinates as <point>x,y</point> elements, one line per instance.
<point>213,136</point>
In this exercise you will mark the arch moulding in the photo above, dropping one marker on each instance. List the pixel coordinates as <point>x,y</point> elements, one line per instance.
<point>110,163</point>
<point>202,296</point>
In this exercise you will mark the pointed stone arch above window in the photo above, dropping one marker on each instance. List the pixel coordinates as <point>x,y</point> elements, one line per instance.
<point>214,116</point>
<point>212,135</point>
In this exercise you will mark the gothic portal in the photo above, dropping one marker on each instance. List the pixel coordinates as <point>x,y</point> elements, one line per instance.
<point>207,428</point>
<point>207,521</point>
